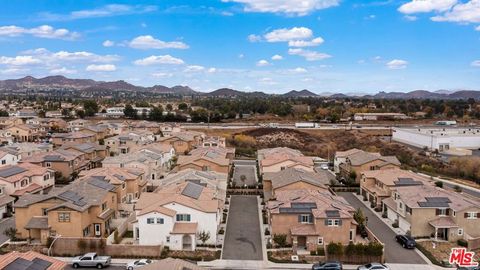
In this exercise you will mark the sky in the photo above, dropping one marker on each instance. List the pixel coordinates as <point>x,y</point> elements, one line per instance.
<point>274,46</point>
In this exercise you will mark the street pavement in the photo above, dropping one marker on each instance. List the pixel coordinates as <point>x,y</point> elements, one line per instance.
<point>394,253</point>
<point>243,237</point>
<point>5,224</point>
<point>111,267</point>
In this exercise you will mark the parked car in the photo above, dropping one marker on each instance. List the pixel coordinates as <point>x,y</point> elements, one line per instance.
<point>138,264</point>
<point>91,260</point>
<point>373,266</point>
<point>406,241</point>
<point>333,265</point>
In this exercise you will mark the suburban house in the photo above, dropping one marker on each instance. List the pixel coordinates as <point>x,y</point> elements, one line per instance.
<point>184,142</point>
<point>65,162</point>
<point>144,126</point>
<point>214,141</point>
<point>30,260</point>
<point>26,149</point>
<point>129,142</point>
<point>378,185</point>
<point>6,204</point>
<point>280,158</point>
<point>80,209</point>
<point>361,161</point>
<point>265,153</point>
<point>25,133</point>
<point>59,139</point>
<point>226,152</point>
<point>6,121</point>
<point>93,152</point>
<point>341,157</point>
<point>167,129</point>
<point>78,124</point>
<point>428,211</point>
<point>99,131</point>
<point>311,218</point>
<point>174,216</point>
<point>204,161</point>
<point>293,178</point>
<point>8,157</point>
<point>19,179</point>
<point>130,183</point>
<point>6,136</point>
<point>210,179</point>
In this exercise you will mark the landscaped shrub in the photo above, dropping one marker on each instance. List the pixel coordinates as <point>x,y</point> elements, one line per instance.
<point>221,231</point>
<point>395,224</point>
<point>267,232</point>
<point>384,215</point>
<point>280,240</point>
<point>321,251</point>
<point>462,242</point>
<point>335,249</point>
<point>439,184</point>
<point>313,253</point>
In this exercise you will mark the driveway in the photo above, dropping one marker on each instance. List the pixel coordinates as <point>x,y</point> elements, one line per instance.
<point>394,253</point>
<point>5,224</point>
<point>243,237</point>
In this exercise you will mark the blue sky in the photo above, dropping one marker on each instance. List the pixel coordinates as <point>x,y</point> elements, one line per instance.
<point>250,45</point>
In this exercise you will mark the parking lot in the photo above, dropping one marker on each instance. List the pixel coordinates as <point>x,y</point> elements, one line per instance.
<point>243,237</point>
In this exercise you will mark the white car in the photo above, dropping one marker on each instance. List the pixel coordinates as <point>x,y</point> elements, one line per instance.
<point>373,266</point>
<point>138,264</point>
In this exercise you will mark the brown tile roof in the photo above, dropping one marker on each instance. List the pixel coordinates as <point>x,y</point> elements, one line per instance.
<point>279,158</point>
<point>159,209</point>
<point>362,157</point>
<point>23,170</point>
<point>391,176</point>
<point>347,153</point>
<point>293,175</point>
<point>29,189</point>
<point>265,153</point>
<point>8,258</point>
<point>4,199</point>
<point>304,229</point>
<point>443,222</point>
<point>113,175</point>
<point>185,228</point>
<point>37,223</point>
<point>59,155</point>
<point>209,156</point>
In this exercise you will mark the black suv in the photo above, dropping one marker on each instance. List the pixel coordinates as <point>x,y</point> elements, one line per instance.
<point>406,241</point>
<point>328,266</point>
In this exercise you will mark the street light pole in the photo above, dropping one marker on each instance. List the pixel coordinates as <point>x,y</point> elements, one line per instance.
<point>51,245</point>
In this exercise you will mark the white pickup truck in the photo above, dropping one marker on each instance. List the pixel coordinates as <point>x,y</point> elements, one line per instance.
<point>91,260</point>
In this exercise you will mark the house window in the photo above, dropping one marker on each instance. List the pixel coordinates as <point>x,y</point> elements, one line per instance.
<point>333,222</point>
<point>86,231</point>
<point>104,206</point>
<point>167,239</point>
<point>124,185</point>
<point>320,241</point>
<point>441,212</point>
<point>46,177</point>
<point>97,228</point>
<point>460,231</point>
<point>372,168</point>
<point>352,233</point>
<point>471,215</point>
<point>305,219</point>
<point>4,162</point>
<point>160,221</point>
<point>44,212</point>
<point>150,221</point>
<point>183,217</point>
<point>48,164</point>
<point>63,217</point>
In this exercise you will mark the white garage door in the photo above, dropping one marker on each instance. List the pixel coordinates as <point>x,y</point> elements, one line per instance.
<point>403,224</point>
<point>391,214</point>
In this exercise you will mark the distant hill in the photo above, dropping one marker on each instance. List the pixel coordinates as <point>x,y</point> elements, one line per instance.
<point>302,93</point>
<point>89,87</point>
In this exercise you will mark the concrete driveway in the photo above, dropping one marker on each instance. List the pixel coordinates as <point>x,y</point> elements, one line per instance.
<point>243,237</point>
<point>5,224</point>
<point>394,253</point>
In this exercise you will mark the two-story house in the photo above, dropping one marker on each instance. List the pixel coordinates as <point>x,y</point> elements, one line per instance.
<point>8,157</point>
<point>80,209</point>
<point>19,179</point>
<point>78,137</point>
<point>184,142</point>
<point>174,216</point>
<point>65,162</point>
<point>205,161</point>
<point>311,218</point>
<point>428,211</point>
<point>129,142</point>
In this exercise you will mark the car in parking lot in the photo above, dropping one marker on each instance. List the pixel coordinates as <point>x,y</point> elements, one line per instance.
<point>406,241</point>
<point>138,264</point>
<point>331,265</point>
<point>373,266</point>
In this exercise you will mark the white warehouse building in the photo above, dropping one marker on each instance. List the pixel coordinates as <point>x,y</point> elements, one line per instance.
<point>441,139</point>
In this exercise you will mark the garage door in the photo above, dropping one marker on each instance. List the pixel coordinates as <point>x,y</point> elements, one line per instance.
<point>391,214</point>
<point>403,224</point>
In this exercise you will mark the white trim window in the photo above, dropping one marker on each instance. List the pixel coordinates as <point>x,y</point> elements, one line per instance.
<point>333,222</point>
<point>320,241</point>
<point>183,217</point>
<point>460,231</point>
<point>150,220</point>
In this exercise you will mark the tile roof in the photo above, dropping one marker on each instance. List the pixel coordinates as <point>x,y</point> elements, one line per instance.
<point>362,157</point>
<point>391,177</point>
<point>13,173</point>
<point>185,228</point>
<point>304,229</point>
<point>113,175</point>
<point>443,222</point>
<point>8,258</point>
<point>293,175</point>
<point>264,153</point>
<point>37,223</point>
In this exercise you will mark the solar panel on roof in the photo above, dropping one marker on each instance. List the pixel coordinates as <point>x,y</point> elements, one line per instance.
<point>11,171</point>
<point>192,190</point>
<point>101,183</point>
<point>53,158</point>
<point>332,213</point>
<point>303,205</point>
<point>39,264</point>
<point>196,181</point>
<point>121,177</point>
<point>433,204</point>
<point>407,182</point>
<point>438,199</point>
<point>295,210</point>
<point>23,264</point>
<point>73,197</point>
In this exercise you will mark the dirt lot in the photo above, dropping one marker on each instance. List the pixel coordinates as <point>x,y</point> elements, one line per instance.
<point>442,250</point>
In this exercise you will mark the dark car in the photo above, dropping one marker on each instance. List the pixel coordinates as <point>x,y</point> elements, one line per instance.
<point>328,265</point>
<point>406,241</point>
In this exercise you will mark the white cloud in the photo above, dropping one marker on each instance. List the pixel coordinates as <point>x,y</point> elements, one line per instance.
<point>105,11</point>
<point>476,63</point>
<point>397,64</point>
<point>468,12</point>
<point>285,34</point>
<point>63,70</point>
<point>241,56</point>
<point>477,28</point>
<point>194,68</point>
<point>107,67</point>
<point>277,57</point>
<point>43,31</point>
<point>212,70</point>
<point>410,18</point>
<point>298,70</point>
<point>262,63</point>
<point>298,8</point>
<point>79,56</point>
<point>309,55</point>
<point>162,75</point>
<point>254,38</point>
<point>14,71</point>
<point>108,43</point>
<point>417,6</point>
<point>149,42</point>
<point>21,60</point>
<point>304,43</point>
<point>159,60</point>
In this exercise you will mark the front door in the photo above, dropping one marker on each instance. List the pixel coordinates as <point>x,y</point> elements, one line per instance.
<point>97,228</point>
<point>302,242</point>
